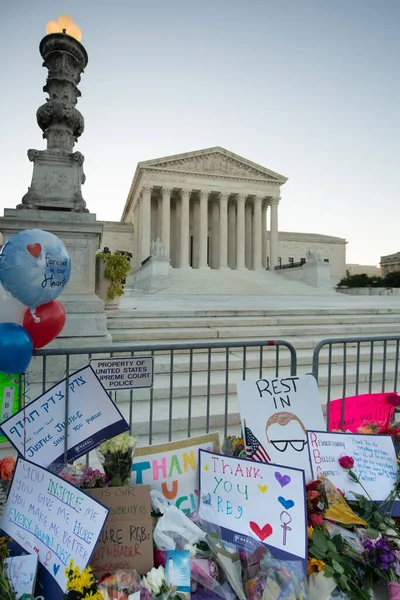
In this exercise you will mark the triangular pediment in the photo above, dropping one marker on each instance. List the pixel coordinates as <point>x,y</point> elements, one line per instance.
<point>214,161</point>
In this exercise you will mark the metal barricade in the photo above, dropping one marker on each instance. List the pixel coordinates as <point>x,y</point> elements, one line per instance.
<point>194,383</point>
<point>356,365</point>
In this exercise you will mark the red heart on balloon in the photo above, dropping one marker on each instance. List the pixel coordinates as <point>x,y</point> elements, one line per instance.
<point>52,321</point>
<point>34,249</point>
<point>263,532</point>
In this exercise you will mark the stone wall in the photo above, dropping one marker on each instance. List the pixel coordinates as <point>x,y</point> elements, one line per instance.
<point>117,236</point>
<point>367,291</point>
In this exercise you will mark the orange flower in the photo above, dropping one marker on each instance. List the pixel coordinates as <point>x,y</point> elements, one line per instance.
<point>309,532</point>
<point>7,466</point>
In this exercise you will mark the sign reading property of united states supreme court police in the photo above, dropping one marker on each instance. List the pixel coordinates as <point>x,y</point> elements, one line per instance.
<point>125,373</point>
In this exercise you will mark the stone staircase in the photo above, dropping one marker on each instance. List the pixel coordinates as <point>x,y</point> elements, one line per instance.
<point>201,401</point>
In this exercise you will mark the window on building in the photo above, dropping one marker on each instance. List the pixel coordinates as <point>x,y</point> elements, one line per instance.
<point>280,261</point>
<point>302,261</point>
<point>291,260</point>
<point>326,260</point>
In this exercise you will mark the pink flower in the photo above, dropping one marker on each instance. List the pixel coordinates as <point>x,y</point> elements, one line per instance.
<point>347,462</point>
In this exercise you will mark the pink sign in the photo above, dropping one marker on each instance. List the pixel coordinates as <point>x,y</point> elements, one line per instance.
<point>360,410</point>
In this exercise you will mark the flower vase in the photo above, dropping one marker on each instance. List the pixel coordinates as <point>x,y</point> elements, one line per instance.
<point>394,590</point>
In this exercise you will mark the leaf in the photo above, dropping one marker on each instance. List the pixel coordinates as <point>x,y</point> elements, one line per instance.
<point>331,546</point>
<point>372,534</point>
<point>378,516</point>
<point>328,571</point>
<point>337,567</point>
<point>339,542</point>
<point>320,541</point>
<point>335,556</point>
<point>316,553</point>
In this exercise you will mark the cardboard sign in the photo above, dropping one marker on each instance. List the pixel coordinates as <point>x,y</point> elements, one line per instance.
<point>375,462</point>
<point>46,515</point>
<point>172,469</point>
<point>275,415</point>
<point>38,430</point>
<point>255,501</point>
<point>126,541</point>
<point>359,410</point>
<point>21,573</point>
<point>127,373</point>
<point>9,397</point>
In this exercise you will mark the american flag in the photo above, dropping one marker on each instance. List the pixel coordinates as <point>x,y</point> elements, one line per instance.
<point>254,449</point>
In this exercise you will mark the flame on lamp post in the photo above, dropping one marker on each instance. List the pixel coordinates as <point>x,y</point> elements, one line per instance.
<point>66,25</point>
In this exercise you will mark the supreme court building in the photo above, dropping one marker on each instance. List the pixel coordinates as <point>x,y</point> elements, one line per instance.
<point>210,209</point>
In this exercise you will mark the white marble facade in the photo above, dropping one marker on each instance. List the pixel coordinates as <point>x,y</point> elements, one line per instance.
<point>209,208</point>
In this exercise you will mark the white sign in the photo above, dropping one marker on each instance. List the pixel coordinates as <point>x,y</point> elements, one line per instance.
<point>124,373</point>
<point>375,462</point>
<point>38,430</point>
<point>21,573</point>
<point>172,469</point>
<point>276,414</point>
<point>264,502</point>
<point>46,515</point>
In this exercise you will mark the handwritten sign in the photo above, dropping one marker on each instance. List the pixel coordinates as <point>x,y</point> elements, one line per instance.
<point>275,415</point>
<point>9,397</point>
<point>126,541</point>
<point>254,501</point>
<point>125,373</point>
<point>38,431</point>
<point>375,462</point>
<point>46,515</point>
<point>359,410</point>
<point>21,572</point>
<point>172,469</point>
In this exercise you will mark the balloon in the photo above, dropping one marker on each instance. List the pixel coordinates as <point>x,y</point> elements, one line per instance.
<point>11,310</point>
<point>16,348</point>
<point>34,267</point>
<point>52,321</point>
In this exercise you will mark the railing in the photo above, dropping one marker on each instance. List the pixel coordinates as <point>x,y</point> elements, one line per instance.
<point>292,265</point>
<point>194,383</point>
<point>342,373</point>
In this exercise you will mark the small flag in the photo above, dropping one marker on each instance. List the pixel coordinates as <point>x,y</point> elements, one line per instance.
<point>254,449</point>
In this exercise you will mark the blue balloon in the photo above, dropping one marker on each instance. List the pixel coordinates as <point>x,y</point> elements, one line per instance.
<point>16,348</point>
<point>34,267</point>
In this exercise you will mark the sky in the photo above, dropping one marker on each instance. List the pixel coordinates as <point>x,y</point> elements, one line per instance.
<point>307,88</point>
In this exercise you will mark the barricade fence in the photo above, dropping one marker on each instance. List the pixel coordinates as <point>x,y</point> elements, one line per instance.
<point>194,388</point>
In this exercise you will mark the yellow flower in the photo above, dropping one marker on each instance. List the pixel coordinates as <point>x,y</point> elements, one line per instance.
<point>309,532</point>
<point>314,566</point>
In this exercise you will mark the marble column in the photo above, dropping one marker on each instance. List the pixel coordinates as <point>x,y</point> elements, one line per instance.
<point>257,239</point>
<point>184,249</point>
<point>203,230</point>
<point>240,231</point>
<point>223,231</point>
<point>264,234</point>
<point>145,222</point>
<point>232,234</point>
<point>166,220</point>
<point>274,247</point>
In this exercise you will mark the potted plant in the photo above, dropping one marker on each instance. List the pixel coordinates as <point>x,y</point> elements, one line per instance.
<point>111,271</point>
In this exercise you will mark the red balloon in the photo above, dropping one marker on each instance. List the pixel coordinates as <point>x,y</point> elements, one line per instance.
<point>52,321</point>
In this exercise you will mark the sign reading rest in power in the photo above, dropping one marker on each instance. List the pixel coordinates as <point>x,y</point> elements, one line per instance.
<point>125,373</point>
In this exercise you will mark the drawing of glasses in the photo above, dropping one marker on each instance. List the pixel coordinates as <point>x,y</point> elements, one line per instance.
<point>281,445</point>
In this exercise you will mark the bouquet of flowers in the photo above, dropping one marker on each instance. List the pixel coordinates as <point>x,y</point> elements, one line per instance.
<point>6,590</point>
<point>85,478</point>
<point>117,456</point>
<point>234,446</point>
<point>81,584</point>
<point>7,466</point>
<point>122,585</point>
<point>154,582</point>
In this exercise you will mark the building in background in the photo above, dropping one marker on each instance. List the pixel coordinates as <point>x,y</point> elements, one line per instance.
<point>390,263</point>
<point>355,269</point>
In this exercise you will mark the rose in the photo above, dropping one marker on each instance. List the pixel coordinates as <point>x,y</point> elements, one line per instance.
<point>7,466</point>
<point>347,462</point>
<point>315,520</point>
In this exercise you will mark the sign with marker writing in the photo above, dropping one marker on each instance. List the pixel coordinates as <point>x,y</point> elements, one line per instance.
<point>172,469</point>
<point>47,516</point>
<point>255,502</point>
<point>21,572</point>
<point>9,397</point>
<point>365,408</point>
<point>127,373</point>
<point>375,462</point>
<point>276,414</point>
<point>126,542</point>
<point>38,430</point>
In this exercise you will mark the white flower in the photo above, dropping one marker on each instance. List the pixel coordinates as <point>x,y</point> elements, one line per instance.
<point>154,580</point>
<point>192,549</point>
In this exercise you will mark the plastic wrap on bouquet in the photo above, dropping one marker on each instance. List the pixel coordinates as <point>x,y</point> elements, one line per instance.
<point>394,590</point>
<point>277,580</point>
<point>116,456</point>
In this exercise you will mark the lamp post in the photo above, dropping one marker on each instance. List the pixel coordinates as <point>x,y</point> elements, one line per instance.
<point>58,170</point>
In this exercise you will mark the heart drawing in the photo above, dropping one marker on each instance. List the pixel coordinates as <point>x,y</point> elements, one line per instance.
<point>35,250</point>
<point>282,479</point>
<point>207,499</point>
<point>286,503</point>
<point>261,533</point>
<point>262,488</point>
<point>56,568</point>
